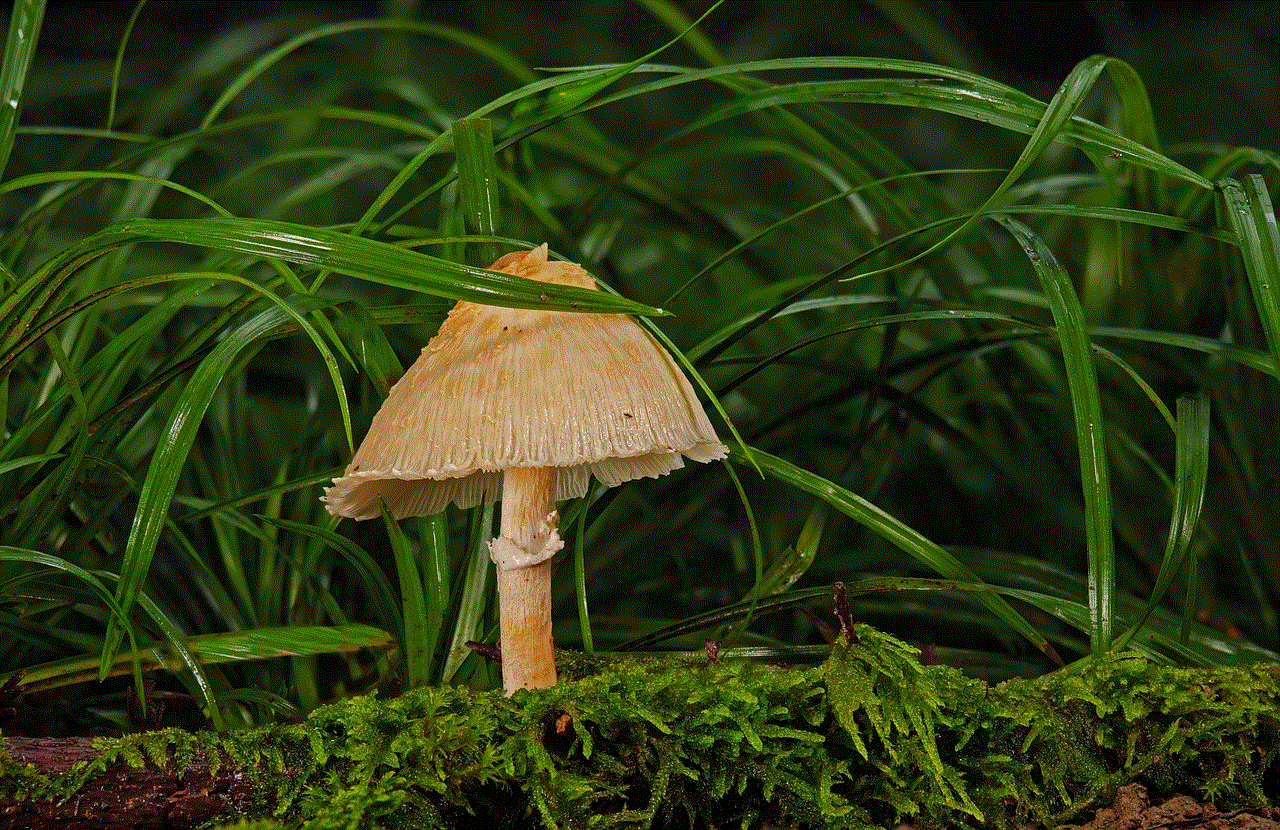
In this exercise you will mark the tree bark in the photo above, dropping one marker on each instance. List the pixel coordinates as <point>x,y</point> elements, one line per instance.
<point>122,796</point>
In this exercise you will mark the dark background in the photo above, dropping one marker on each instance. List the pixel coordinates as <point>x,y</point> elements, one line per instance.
<point>1214,66</point>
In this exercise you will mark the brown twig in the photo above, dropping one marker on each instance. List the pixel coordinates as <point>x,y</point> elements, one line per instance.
<point>842,613</point>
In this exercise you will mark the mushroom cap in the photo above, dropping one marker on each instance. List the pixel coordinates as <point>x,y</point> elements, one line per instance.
<point>496,388</point>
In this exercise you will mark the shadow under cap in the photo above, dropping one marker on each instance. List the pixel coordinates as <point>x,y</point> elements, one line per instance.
<point>497,388</point>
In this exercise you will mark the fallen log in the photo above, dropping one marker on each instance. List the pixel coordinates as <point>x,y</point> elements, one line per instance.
<point>119,795</point>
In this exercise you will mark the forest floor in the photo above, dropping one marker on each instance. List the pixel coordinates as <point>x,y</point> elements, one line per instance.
<point>1133,810</point>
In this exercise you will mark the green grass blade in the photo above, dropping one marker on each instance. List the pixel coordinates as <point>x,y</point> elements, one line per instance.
<point>413,603</point>
<point>471,592</point>
<point>1253,218</point>
<point>367,343</point>
<point>26,461</point>
<point>19,49</point>
<point>44,560</point>
<point>960,93</point>
<point>479,45</point>
<point>385,606</point>
<point>727,615</point>
<point>1191,473</point>
<point>787,569</point>
<point>178,647</point>
<point>478,184</point>
<point>35,179</point>
<point>1253,358</point>
<point>212,649</point>
<point>757,549</point>
<point>1086,403</point>
<point>570,97</point>
<point>167,461</point>
<point>580,580</point>
<point>434,543</point>
<point>368,259</point>
<point>892,530</point>
<point>115,70</point>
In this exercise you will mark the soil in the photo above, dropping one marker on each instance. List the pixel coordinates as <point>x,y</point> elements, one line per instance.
<point>1133,810</point>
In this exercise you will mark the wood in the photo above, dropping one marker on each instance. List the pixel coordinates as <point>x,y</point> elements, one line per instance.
<point>524,594</point>
<point>122,796</point>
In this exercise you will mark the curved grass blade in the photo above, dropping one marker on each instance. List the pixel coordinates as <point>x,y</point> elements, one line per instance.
<point>1253,218</point>
<point>372,577</point>
<point>797,558</point>
<point>19,50</point>
<point>33,179</point>
<point>413,603</point>
<point>479,45</point>
<point>1086,403</point>
<point>468,619</point>
<point>757,550</point>
<point>358,329</point>
<point>119,620</point>
<point>45,560</point>
<point>991,340</point>
<point>367,259</point>
<point>170,454</point>
<point>566,95</point>
<point>570,97</point>
<point>178,647</point>
<point>433,541</point>
<point>1245,356</point>
<point>1191,473</point>
<point>210,649</point>
<point>727,615</point>
<point>1163,640</point>
<point>115,70</point>
<point>968,95</point>
<point>895,532</point>
<point>580,578</point>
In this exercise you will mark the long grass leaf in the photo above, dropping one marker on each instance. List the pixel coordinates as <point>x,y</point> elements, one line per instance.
<point>9,553</point>
<point>211,649</point>
<point>167,461</point>
<point>478,193</point>
<point>178,647</point>
<point>1191,473</point>
<point>479,45</point>
<point>1253,217</point>
<point>473,586</point>
<point>33,179</point>
<point>892,530</point>
<point>962,93</point>
<point>19,50</point>
<point>413,604</point>
<point>368,259</point>
<point>1086,403</point>
<point>571,97</point>
<point>373,580</point>
<point>434,543</point>
<point>580,578</point>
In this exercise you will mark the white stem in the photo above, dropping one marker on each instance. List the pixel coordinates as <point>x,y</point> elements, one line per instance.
<point>524,592</point>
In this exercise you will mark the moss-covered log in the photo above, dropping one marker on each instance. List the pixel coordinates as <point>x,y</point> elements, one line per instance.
<point>121,795</point>
<point>868,739</point>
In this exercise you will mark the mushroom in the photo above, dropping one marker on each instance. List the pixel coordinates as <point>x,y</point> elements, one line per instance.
<point>525,405</point>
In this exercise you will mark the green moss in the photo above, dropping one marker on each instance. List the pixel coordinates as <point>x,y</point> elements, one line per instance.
<point>868,739</point>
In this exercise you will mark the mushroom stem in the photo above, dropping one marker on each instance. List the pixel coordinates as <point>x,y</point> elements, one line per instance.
<point>529,522</point>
